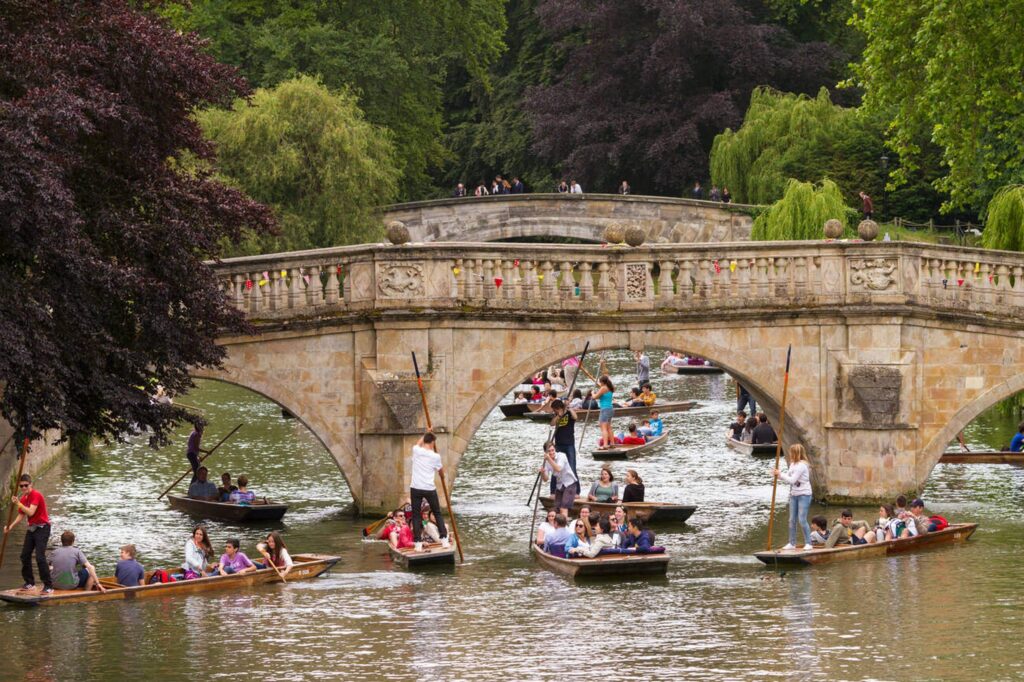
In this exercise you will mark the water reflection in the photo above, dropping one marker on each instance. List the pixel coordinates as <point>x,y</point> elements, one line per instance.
<point>942,614</point>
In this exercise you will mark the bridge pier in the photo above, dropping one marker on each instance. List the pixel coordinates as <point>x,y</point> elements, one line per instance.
<point>896,346</point>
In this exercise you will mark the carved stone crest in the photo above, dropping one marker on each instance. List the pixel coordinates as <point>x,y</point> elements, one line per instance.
<point>636,281</point>
<point>403,280</point>
<point>875,274</point>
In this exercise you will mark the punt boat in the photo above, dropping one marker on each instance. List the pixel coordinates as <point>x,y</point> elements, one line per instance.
<point>227,511</point>
<point>432,554</point>
<point>650,512</point>
<point>605,565</point>
<point>630,451</point>
<point>982,457</point>
<point>952,534</point>
<point>759,450</point>
<point>662,408</point>
<point>693,369</point>
<point>305,566</point>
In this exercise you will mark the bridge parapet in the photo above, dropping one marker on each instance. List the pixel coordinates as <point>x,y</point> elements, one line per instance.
<point>580,279</point>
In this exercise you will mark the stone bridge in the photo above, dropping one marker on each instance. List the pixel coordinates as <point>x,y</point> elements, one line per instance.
<point>896,346</point>
<point>581,216</point>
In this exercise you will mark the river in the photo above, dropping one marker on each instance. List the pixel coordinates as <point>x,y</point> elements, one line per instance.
<point>949,613</point>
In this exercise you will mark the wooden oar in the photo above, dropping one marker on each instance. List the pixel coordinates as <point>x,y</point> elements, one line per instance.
<point>778,448</point>
<point>266,555</point>
<point>536,482</point>
<point>201,460</point>
<point>444,486</point>
<point>373,527</point>
<point>14,491</point>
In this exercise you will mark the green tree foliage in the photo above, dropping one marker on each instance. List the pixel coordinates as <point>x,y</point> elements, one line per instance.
<point>1004,226</point>
<point>801,213</point>
<point>949,72</point>
<point>787,136</point>
<point>392,54</point>
<point>309,153</point>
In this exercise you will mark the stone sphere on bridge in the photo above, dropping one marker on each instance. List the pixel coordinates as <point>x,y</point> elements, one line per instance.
<point>868,230</point>
<point>833,229</point>
<point>397,232</point>
<point>614,233</point>
<point>635,235</point>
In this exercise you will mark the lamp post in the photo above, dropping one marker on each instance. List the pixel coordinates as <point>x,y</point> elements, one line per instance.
<point>885,185</point>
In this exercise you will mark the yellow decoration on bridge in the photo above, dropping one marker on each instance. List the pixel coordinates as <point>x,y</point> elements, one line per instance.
<point>284,273</point>
<point>732,266</point>
<point>456,271</point>
<point>977,268</point>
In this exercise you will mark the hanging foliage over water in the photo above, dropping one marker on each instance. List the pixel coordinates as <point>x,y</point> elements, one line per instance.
<point>1004,225</point>
<point>801,213</point>
<point>310,154</point>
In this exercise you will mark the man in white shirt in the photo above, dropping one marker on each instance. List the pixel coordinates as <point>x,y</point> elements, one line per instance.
<point>574,187</point>
<point>426,461</point>
<point>567,486</point>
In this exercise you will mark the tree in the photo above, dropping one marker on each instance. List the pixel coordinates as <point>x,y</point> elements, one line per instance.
<point>1004,225</point>
<point>310,154</point>
<point>393,55</point>
<point>801,213</point>
<point>948,72</point>
<point>646,85</point>
<point>104,289</point>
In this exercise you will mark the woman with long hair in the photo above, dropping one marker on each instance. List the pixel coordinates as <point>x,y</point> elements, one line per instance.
<point>604,396</point>
<point>798,476</point>
<point>634,490</point>
<point>198,551</point>
<point>275,552</point>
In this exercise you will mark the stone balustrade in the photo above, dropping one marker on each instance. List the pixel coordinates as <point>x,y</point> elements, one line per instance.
<point>592,279</point>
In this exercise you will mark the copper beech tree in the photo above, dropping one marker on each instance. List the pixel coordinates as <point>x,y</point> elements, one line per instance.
<point>103,291</point>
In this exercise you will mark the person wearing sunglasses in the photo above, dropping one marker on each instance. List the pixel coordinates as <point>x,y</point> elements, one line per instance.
<point>32,505</point>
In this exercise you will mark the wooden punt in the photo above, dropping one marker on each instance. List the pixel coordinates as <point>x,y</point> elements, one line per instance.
<point>693,369</point>
<point>432,554</point>
<point>225,511</point>
<point>954,533</point>
<point>630,451</point>
<point>759,450</point>
<point>521,409</point>
<point>608,565</point>
<point>662,408</point>
<point>306,566</point>
<point>982,457</point>
<point>651,512</point>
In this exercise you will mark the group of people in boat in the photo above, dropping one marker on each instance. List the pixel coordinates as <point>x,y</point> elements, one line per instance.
<point>590,535</point>
<point>677,359</point>
<point>204,489</point>
<point>398,527</point>
<point>755,429</point>
<point>895,522</point>
<point>199,554</point>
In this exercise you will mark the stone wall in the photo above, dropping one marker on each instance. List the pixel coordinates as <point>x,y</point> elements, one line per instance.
<point>582,216</point>
<point>42,455</point>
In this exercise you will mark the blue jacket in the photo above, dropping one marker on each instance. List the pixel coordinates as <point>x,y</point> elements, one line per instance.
<point>641,544</point>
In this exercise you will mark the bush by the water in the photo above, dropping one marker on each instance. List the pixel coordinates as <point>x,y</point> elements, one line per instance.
<point>1004,225</point>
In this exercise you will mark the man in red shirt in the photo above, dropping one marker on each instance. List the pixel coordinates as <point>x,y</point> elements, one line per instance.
<point>32,505</point>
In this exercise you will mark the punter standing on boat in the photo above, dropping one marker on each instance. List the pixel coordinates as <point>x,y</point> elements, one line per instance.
<point>604,396</point>
<point>567,485</point>
<point>193,449</point>
<point>564,422</point>
<point>643,369</point>
<point>798,476</point>
<point>426,461</point>
<point>32,506</point>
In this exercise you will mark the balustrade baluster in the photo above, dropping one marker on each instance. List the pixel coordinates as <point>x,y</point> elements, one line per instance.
<point>782,277</point>
<point>238,292</point>
<point>460,283</point>
<point>255,293</point>
<point>331,290</point>
<point>529,282</point>
<point>684,281</point>
<point>315,288</point>
<point>665,290</point>
<point>566,283</point>
<point>547,281</point>
<point>1016,296</point>
<point>800,276</point>
<point>508,280</point>
<point>296,291</point>
<point>986,288</point>
<point>490,290</point>
<point>604,284</point>
<point>743,288</point>
<point>763,277</point>
<point>586,282</point>
<point>935,272</point>
<point>703,284</point>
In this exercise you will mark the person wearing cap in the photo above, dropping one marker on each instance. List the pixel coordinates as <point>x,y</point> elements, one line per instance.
<point>917,521</point>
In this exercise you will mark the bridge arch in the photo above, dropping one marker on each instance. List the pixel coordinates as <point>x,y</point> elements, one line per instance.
<point>740,367</point>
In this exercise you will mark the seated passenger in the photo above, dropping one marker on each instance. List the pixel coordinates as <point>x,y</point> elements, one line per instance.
<point>634,490</point>
<point>645,430</point>
<point>638,537</point>
<point>225,489</point>
<point>582,520</point>
<point>901,506</point>
<point>430,532</point>
<point>647,396</point>
<point>202,489</point>
<point>536,396</point>
<point>634,399</point>
<point>605,489</point>
<point>888,527</point>
<point>589,403</point>
<point>234,561</point>
<point>546,526</point>
<point>275,552</point>
<point>554,542</point>
<point>737,426</point>
<point>519,398</point>
<point>918,523</point>
<point>128,571</point>
<point>401,533</point>
<point>69,567</point>
<point>764,434</point>
<point>633,437</point>
<point>577,540</point>
<point>657,427</point>
<point>603,540</point>
<point>846,531</point>
<point>243,495</point>
<point>748,430</point>
<point>197,552</point>
<point>1017,443</point>
<point>577,400</point>
<point>819,530</point>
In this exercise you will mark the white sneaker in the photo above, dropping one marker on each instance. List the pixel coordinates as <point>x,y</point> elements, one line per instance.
<point>444,543</point>
<point>808,547</point>
<point>788,546</point>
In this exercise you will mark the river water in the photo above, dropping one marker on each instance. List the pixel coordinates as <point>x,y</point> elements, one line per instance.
<point>949,613</point>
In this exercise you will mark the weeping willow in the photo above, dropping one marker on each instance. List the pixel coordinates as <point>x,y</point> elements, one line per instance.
<point>783,135</point>
<point>801,213</point>
<point>1004,222</point>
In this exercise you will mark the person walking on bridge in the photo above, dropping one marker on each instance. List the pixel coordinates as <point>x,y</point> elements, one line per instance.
<point>426,461</point>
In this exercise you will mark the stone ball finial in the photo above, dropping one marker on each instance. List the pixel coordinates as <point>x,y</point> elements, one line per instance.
<point>614,233</point>
<point>635,235</point>
<point>833,229</point>
<point>397,232</point>
<point>868,230</point>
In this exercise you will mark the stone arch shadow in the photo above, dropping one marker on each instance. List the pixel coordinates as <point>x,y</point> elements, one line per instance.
<point>796,415</point>
<point>291,407</point>
<point>932,452</point>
